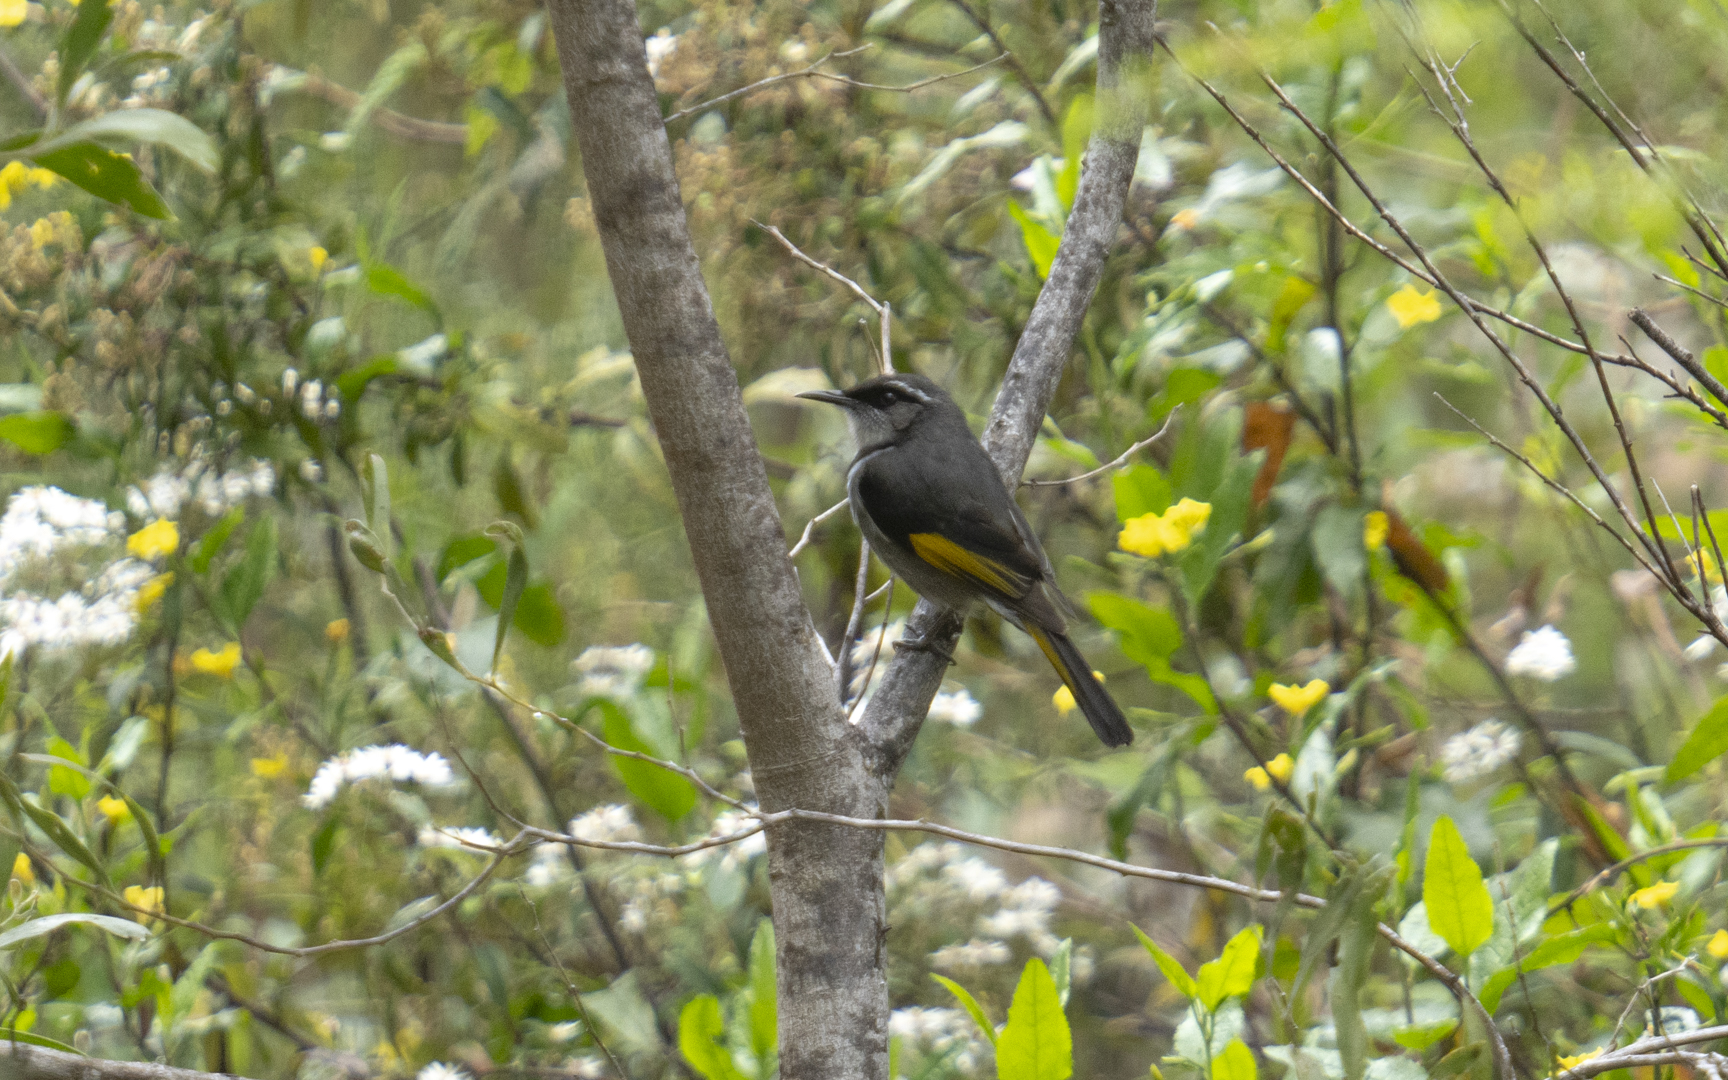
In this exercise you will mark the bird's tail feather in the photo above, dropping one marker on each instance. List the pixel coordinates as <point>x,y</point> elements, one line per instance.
<point>1100,709</point>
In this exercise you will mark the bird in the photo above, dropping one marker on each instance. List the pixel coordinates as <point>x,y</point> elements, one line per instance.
<point>935,510</point>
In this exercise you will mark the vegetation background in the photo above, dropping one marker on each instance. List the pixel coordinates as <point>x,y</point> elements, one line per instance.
<point>359,278</point>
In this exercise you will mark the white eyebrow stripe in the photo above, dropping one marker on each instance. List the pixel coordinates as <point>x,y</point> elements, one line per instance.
<point>907,388</point>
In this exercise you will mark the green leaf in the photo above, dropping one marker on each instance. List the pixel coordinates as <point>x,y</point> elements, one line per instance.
<point>1036,1044</point>
<point>764,995</point>
<point>1147,634</point>
<point>377,484</point>
<point>1232,974</point>
<point>1235,1063</point>
<point>106,175</point>
<point>515,581</point>
<point>11,1034</point>
<point>701,1039</point>
<point>1062,969</point>
<point>353,383</point>
<point>1041,243</point>
<point>245,584</point>
<point>1178,976</point>
<point>37,432</point>
<point>1295,294</point>
<point>539,616</point>
<point>36,928</point>
<point>62,780</point>
<point>216,539</point>
<point>1708,741</point>
<point>1076,129</point>
<point>462,551</point>
<point>1140,489</point>
<point>323,843</point>
<point>52,825</point>
<point>1422,1036</point>
<point>666,793</point>
<point>970,1004</point>
<point>1460,910</point>
<point>1560,949</point>
<point>386,280</point>
<point>80,43</point>
<point>129,126</point>
<point>1338,547</point>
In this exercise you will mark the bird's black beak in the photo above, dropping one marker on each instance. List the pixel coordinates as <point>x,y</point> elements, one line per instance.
<point>832,397</point>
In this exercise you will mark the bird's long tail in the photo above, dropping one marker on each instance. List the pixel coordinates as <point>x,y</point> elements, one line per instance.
<point>1100,709</point>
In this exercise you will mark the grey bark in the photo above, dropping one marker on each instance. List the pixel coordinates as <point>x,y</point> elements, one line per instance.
<point>826,880</point>
<point>21,1061</point>
<point>829,911</point>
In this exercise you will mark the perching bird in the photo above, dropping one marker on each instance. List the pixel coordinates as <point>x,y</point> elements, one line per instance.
<point>935,509</point>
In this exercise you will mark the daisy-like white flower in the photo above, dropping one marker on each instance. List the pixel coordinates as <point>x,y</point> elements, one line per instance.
<point>1479,751</point>
<point>396,763</point>
<point>1542,654</point>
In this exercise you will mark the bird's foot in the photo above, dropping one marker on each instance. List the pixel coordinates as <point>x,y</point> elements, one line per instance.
<point>926,645</point>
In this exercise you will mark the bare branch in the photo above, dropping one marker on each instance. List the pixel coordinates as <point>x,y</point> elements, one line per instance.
<point>1682,356</point>
<point>1026,80</point>
<point>814,72</point>
<point>881,308</point>
<point>389,120</point>
<point>1636,1053</point>
<point>1111,466</point>
<point>810,527</point>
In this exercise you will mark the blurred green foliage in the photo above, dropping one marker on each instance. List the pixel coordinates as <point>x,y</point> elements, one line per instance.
<point>312,263</point>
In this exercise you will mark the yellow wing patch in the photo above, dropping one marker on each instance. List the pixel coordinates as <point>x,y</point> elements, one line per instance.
<point>950,558</point>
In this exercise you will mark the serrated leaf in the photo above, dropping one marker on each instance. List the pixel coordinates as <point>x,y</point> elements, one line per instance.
<point>970,1004</point>
<point>1172,969</point>
<point>1036,1044</point>
<point>1460,910</point>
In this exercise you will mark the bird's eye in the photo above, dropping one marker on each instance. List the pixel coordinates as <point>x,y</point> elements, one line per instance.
<point>889,397</point>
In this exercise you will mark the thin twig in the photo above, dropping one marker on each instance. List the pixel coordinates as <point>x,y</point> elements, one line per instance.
<point>1110,466</point>
<point>1019,69</point>
<point>843,669</point>
<point>810,528</point>
<point>881,308</point>
<point>870,672</point>
<point>813,72</point>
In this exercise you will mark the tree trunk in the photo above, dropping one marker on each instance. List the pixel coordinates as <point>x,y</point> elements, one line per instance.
<point>829,910</point>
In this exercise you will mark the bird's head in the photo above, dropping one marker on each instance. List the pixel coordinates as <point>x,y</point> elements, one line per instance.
<point>884,409</point>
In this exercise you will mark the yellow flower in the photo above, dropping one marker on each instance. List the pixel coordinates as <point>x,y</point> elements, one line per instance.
<point>336,631</point>
<point>1185,219</point>
<point>41,230</point>
<point>148,900</point>
<point>1412,308</point>
<point>1707,561</point>
<point>12,12</point>
<point>1718,946</point>
<point>152,591</point>
<point>1375,526</point>
<point>222,662</point>
<point>115,810</point>
<point>22,870</point>
<point>1063,698</point>
<point>318,257</point>
<point>1578,1059</point>
<point>1297,700</point>
<point>1655,896</point>
<point>1153,535</point>
<point>42,178</point>
<point>160,537</point>
<point>268,768</point>
<point>1279,768</point>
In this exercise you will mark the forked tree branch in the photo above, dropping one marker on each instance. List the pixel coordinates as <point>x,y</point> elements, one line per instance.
<point>1127,37</point>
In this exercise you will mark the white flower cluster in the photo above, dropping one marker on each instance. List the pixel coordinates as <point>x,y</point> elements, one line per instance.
<point>939,874</point>
<point>940,1031</point>
<point>612,670</point>
<point>606,824</point>
<point>859,657</point>
<point>1479,751</point>
<point>40,522</point>
<point>440,1071</point>
<point>461,837</point>
<point>976,953</point>
<point>215,491</point>
<point>737,853</point>
<point>314,406</point>
<point>663,44</point>
<point>958,708</point>
<point>396,763</point>
<point>1543,654</point>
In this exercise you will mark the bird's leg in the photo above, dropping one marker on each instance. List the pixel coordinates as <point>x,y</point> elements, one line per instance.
<point>925,645</point>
